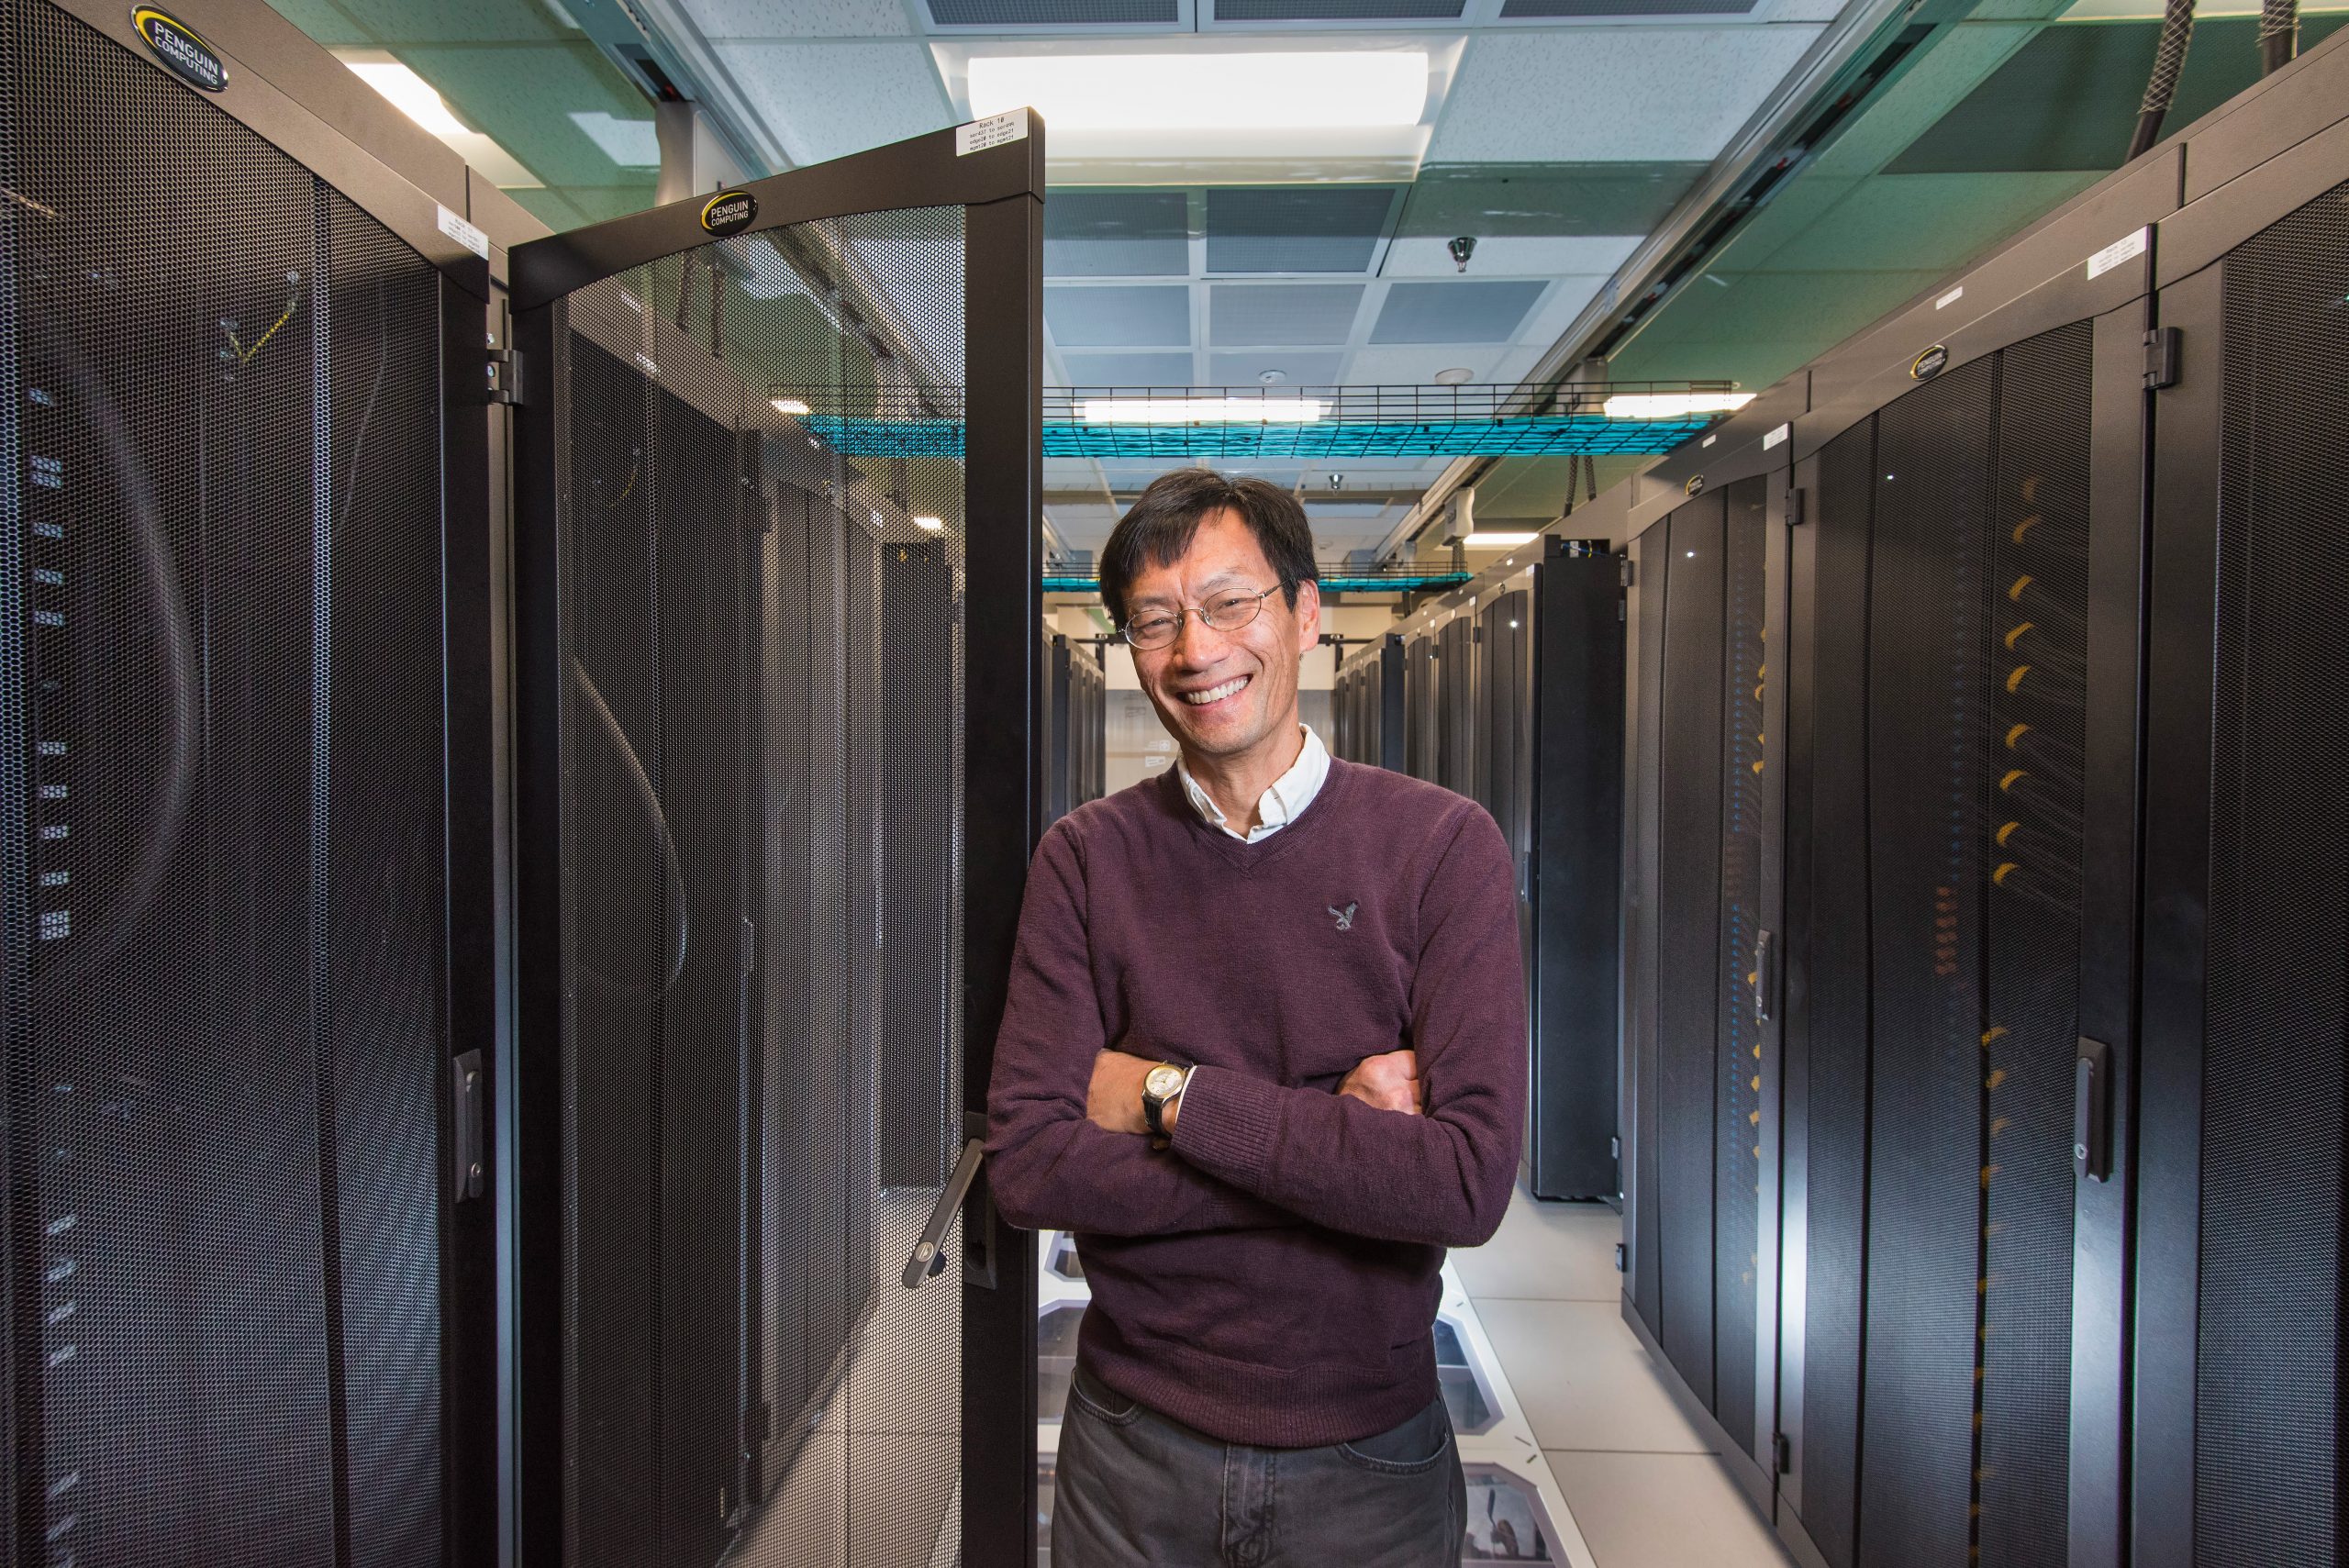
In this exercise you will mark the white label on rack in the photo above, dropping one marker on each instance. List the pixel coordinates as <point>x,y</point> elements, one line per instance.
<point>1709,441</point>
<point>473,237</point>
<point>1775,436</point>
<point>2120,250</point>
<point>1950,298</point>
<point>993,131</point>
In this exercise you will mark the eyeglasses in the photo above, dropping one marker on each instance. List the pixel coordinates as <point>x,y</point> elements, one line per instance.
<point>1225,612</point>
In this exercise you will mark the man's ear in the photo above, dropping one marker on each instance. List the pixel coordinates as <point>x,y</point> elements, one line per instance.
<point>1309,616</point>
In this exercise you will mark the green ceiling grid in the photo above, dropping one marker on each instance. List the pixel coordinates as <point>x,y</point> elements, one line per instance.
<point>513,71</point>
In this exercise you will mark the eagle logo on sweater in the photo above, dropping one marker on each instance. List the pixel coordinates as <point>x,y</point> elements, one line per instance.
<point>1345,915</point>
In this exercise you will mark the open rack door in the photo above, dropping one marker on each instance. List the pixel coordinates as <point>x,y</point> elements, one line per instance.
<point>778,585</point>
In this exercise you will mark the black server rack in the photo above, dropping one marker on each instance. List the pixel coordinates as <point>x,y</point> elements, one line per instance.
<point>1422,699</point>
<point>1369,706</point>
<point>2238,1443</point>
<point>2046,935</point>
<point>1075,717</point>
<point>780,690</point>
<point>243,720</point>
<point>1548,694</point>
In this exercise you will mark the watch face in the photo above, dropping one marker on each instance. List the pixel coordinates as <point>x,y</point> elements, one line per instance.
<point>1164,1081</point>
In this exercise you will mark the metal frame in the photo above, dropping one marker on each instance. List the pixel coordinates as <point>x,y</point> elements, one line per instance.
<point>293,94</point>
<point>1001,189</point>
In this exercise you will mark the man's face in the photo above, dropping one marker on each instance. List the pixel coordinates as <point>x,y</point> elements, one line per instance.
<point>1222,693</point>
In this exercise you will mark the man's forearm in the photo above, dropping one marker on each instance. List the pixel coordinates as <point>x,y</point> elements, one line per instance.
<point>1067,1174</point>
<point>1441,1179</point>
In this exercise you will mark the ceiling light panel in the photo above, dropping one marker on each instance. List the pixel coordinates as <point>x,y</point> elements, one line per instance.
<point>1576,10</point>
<point>1054,13</point>
<point>1229,11</point>
<point>1206,92</point>
<point>1464,312</point>
<point>1155,315</point>
<point>1296,228</point>
<point>1117,234</point>
<point>1280,314</point>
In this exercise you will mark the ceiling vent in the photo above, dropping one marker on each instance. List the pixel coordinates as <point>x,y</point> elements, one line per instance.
<point>1127,369</point>
<point>1296,228</point>
<point>1053,13</point>
<point>1241,315</point>
<point>1466,312</point>
<point>1117,234</point>
<point>1152,316</point>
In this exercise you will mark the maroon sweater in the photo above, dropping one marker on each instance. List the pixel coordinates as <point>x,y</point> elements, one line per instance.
<point>1272,1278</point>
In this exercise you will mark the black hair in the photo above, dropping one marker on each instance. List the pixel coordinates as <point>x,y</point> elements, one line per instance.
<point>1158,528</point>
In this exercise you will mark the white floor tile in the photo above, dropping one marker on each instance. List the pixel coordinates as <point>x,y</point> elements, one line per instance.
<point>1584,1381</point>
<point>1664,1510</point>
<point>1546,1251</point>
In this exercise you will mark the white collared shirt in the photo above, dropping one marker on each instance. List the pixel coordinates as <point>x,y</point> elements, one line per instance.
<point>1277,806</point>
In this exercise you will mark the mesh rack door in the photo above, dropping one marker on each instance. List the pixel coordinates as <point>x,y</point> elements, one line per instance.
<point>225,859</point>
<point>765,535</point>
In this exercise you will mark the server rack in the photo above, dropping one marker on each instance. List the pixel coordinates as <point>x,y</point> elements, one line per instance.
<point>777,474</point>
<point>1074,743</point>
<point>2046,993</point>
<point>1421,706</point>
<point>1369,706</point>
<point>1701,830</point>
<point>1549,720</point>
<point>248,750</point>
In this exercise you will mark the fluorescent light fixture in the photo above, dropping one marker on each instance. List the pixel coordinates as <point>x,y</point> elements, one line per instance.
<point>788,404</point>
<point>409,94</point>
<point>1497,542</point>
<point>1206,92</point>
<point>1674,405</point>
<point>1201,410</point>
<point>421,102</point>
<point>931,525</point>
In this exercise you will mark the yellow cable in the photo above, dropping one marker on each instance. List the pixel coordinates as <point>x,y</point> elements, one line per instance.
<point>293,301</point>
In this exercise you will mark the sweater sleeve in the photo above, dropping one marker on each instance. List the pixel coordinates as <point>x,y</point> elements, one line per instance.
<point>1048,1166</point>
<point>1442,1178</point>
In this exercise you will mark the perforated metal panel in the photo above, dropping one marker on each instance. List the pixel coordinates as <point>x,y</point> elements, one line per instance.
<point>2030,762</point>
<point>2268,1383</point>
<point>1456,699</point>
<point>1689,938</point>
<point>1835,1032</point>
<point>1642,830</point>
<point>221,747</point>
<point>1737,1071</point>
<point>761,1051</point>
<point>1927,719</point>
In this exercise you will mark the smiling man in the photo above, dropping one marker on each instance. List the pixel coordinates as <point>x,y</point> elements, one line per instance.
<point>1265,1054</point>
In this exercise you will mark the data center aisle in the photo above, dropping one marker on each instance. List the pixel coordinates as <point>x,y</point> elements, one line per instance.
<point>1636,1477</point>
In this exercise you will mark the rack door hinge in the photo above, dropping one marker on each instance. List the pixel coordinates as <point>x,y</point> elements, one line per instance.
<point>2160,357</point>
<point>1795,517</point>
<point>504,377</point>
<point>1620,1260</point>
<point>1782,1453</point>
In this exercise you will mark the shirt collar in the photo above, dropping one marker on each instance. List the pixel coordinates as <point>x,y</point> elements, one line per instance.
<point>1279,806</point>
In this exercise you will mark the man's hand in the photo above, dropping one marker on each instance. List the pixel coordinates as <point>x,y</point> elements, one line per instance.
<point>1389,1081</point>
<point>1113,1101</point>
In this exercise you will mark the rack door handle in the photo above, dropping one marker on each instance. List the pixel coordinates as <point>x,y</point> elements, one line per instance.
<point>2092,1111</point>
<point>928,1258</point>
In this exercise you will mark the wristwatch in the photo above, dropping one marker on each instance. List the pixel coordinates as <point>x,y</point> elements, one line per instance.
<point>1162,1085</point>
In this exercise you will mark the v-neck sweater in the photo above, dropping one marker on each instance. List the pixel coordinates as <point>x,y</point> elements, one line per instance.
<point>1273,1276</point>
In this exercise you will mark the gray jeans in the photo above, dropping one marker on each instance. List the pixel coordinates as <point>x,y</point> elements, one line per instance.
<point>1133,1487</point>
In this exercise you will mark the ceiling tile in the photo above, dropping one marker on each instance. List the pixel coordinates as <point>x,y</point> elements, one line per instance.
<point>1118,317</point>
<point>1612,93</point>
<point>1582,10</point>
<point>1241,314</point>
<point>1510,256</point>
<point>1295,228</point>
<point>1417,366</point>
<point>1127,369</point>
<point>800,18</point>
<point>1050,13</point>
<point>1462,312</point>
<point>827,100</point>
<point>1337,10</point>
<point>1119,234</point>
<point>1246,368</point>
